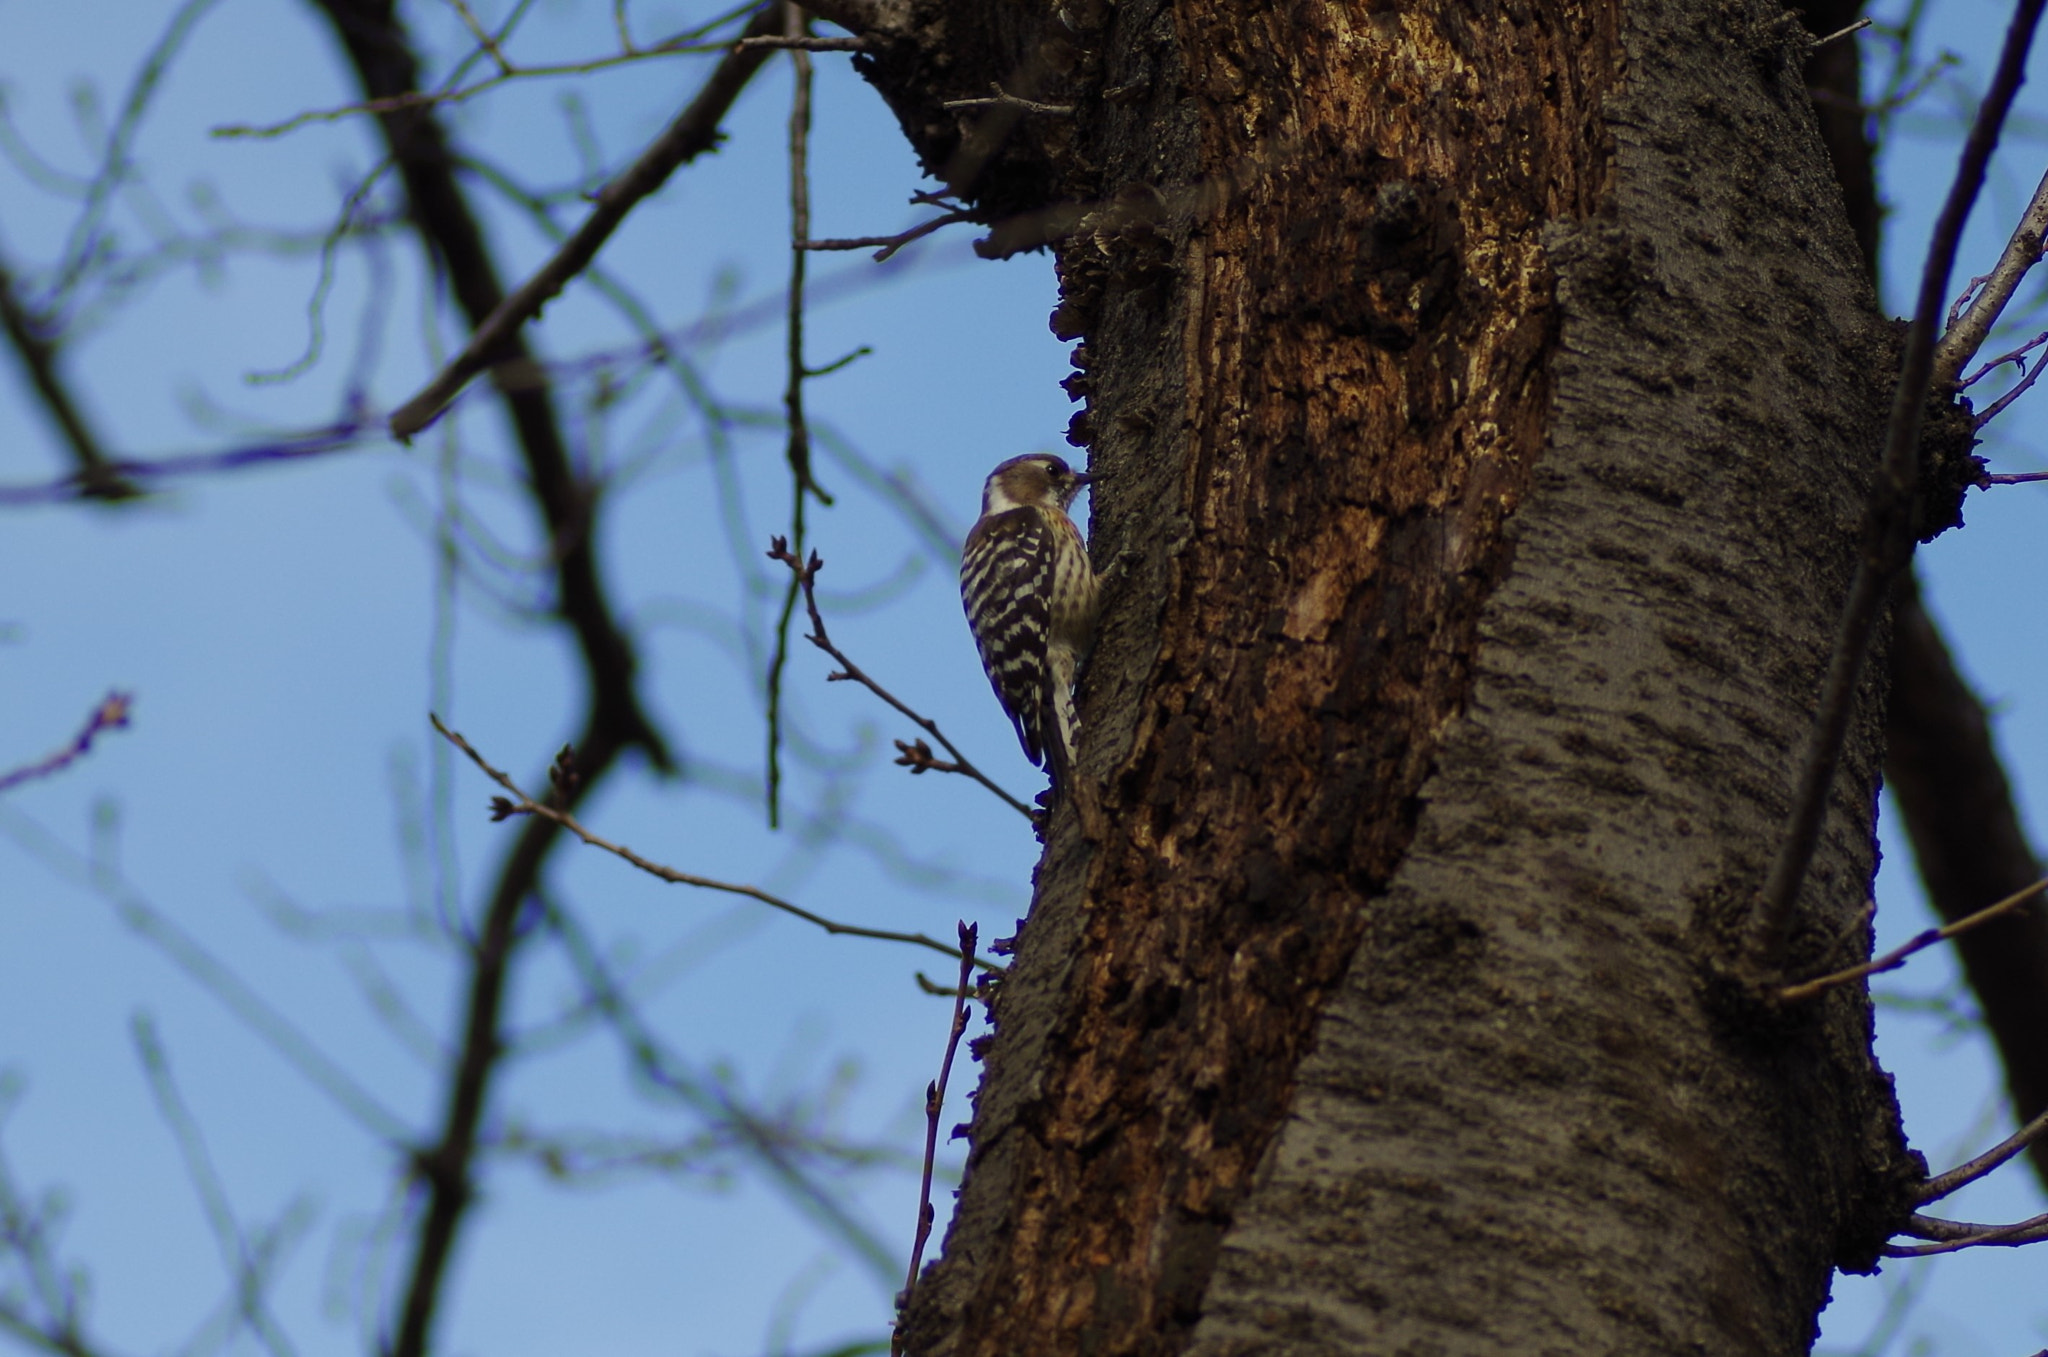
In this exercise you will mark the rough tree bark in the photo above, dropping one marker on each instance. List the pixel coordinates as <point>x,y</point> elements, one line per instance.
<point>1491,391</point>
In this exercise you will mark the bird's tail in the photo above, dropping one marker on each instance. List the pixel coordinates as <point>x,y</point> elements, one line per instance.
<point>1063,744</point>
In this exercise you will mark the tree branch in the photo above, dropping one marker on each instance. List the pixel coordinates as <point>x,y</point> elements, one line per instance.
<point>934,1105</point>
<point>522,804</point>
<point>344,435</point>
<point>1888,521</point>
<point>797,451</point>
<point>805,573</point>
<point>378,47</point>
<point>96,478</point>
<point>1986,298</point>
<point>1968,844</point>
<point>1940,764</point>
<point>110,714</point>
<point>1961,1176</point>
<point>385,64</point>
<point>694,132</point>
<point>1961,1234</point>
<point>663,1070</point>
<point>1920,942</point>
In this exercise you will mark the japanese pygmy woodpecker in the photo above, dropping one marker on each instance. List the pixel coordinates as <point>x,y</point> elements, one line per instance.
<point>1030,595</point>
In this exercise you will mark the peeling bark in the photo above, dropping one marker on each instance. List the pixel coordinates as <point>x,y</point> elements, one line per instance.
<point>1491,393</point>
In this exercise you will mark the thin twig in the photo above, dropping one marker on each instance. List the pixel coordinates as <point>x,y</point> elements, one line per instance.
<point>110,714</point>
<point>1920,942</point>
<point>889,244</point>
<point>82,244</point>
<point>1959,1234</point>
<point>2017,356</point>
<point>917,756</point>
<point>1997,407</point>
<point>2017,478</point>
<point>934,1104</point>
<point>999,98</point>
<point>1962,1175</point>
<point>213,975</point>
<point>248,1275</point>
<point>798,448</point>
<point>1967,333</point>
<point>1956,805</point>
<point>1840,33</point>
<point>354,431</point>
<point>1888,522</point>
<point>932,987</point>
<point>444,1165</point>
<point>683,44</point>
<point>522,804</point>
<point>806,573</point>
<point>484,38</point>
<point>802,44</point>
<point>694,132</point>
<point>96,478</point>
<point>772,1143</point>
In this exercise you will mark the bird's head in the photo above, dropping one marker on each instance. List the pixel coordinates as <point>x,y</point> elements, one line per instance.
<point>1036,478</point>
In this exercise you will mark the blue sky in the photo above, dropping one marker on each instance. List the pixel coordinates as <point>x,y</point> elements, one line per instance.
<point>280,630</point>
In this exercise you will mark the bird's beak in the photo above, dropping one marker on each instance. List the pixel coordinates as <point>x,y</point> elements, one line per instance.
<point>1082,478</point>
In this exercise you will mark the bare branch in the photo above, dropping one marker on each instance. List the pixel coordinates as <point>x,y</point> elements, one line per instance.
<point>46,1310</point>
<point>694,132</point>
<point>798,449</point>
<point>1962,1175</point>
<point>1957,1234</point>
<point>1968,843</point>
<point>1840,33</point>
<point>425,99</point>
<point>1988,296</point>
<point>95,478</point>
<point>2017,357</point>
<point>522,804</point>
<point>682,44</point>
<point>806,572</point>
<point>352,431</point>
<point>615,720</point>
<point>249,1269</point>
<point>890,244</point>
<point>212,974</point>
<point>484,37</point>
<point>115,165</point>
<point>999,99</point>
<point>1888,522</point>
<point>110,714</point>
<point>804,43</point>
<point>768,1142</point>
<point>1920,942</point>
<point>1997,407</point>
<point>934,1104</point>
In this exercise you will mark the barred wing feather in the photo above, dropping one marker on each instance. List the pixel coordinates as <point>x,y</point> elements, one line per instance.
<point>1006,581</point>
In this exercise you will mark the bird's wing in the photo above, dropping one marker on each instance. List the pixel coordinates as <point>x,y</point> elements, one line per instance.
<point>1006,581</point>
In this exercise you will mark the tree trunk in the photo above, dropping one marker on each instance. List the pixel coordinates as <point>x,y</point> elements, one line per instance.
<point>1491,392</point>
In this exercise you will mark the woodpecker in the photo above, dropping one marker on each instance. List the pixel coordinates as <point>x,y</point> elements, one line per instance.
<point>1030,595</point>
